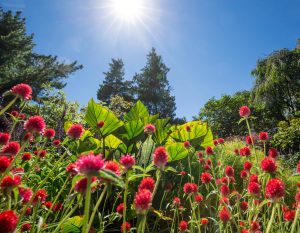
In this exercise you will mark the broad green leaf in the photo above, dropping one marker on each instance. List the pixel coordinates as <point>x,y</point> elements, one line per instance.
<point>97,112</point>
<point>67,125</point>
<point>171,169</point>
<point>137,176</point>
<point>176,151</point>
<point>72,225</point>
<point>207,139</point>
<point>112,141</point>
<point>133,129</point>
<point>147,151</point>
<point>112,177</point>
<point>197,129</point>
<point>138,111</point>
<point>162,130</point>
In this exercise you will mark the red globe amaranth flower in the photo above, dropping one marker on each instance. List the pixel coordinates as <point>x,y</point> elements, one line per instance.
<point>10,149</point>
<point>225,191</point>
<point>206,177</point>
<point>22,116</point>
<point>244,174</point>
<point>275,189</point>
<point>208,162</point>
<point>18,171</point>
<point>273,153</point>
<point>245,151</point>
<point>236,151</point>
<point>28,137</point>
<point>127,161</point>
<point>209,151</point>
<point>221,140</point>
<point>8,221</point>
<point>190,188</point>
<point>120,208</point>
<point>9,182</point>
<point>298,167</point>
<point>249,140</point>
<point>81,184</point>
<point>183,226</point>
<point>200,155</point>
<point>204,221</point>
<point>198,198</point>
<point>188,128</point>
<point>42,154</point>
<point>142,201</point>
<point>215,142</point>
<point>229,171</point>
<point>4,138</point>
<point>57,207</point>
<point>224,215</point>
<point>48,204</point>
<point>22,90</point>
<point>244,111</point>
<point>183,173</point>
<point>263,136</point>
<point>14,113</point>
<point>254,226</point>
<point>75,131</point>
<point>49,133</point>
<point>25,194</point>
<point>253,188</point>
<point>126,225</point>
<point>56,142</point>
<point>176,202</point>
<point>244,231</point>
<point>289,215</point>
<point>112,166</point>
<point>147,183</point>
<point>40,196</point>
<point>149,129</point>
<point>254,178</point>
<point>28,211</point>
<point>35,124</point>
<point>268,165</point>
<point>100,124</point>
<point>4,163</point>
<point>160,157</point>
<point>244,205</point>
<point>224,201</point>
<point>90,164</point>
<point>72,169</point>
<point>187,144</point>
<point>26,156</point>
<point>25,227</point>
<point>247,165</point>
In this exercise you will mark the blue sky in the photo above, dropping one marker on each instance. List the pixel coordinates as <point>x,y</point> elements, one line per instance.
<point>211,46</point>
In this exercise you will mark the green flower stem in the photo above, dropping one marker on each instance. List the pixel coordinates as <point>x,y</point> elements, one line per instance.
<point>57,196</point>
<point>295,219</point>
<point>190,169</point>
<point>269,227</point>
<point>265,150</point>
<point>174,220</point>
<point>125,202</point>
<point>252,140</point>
<point>35,208</point>
<point>87,205</point>
<point>9,200</point>
<point>96,208</point>
<point>8,106</point>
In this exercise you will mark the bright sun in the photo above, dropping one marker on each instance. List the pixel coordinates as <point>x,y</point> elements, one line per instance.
<point>128,11</point>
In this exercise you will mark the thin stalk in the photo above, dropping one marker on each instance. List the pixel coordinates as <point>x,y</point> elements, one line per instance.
<point>96,208</point>
<point>8,106</point>
<point>9,200</point>
<point>34,217</point>
<point>174,216</point>
<point>295,219</point>
<point>87,205</point>
<point>252,140</point>
<point>125,203</point>
<point>269,227</point>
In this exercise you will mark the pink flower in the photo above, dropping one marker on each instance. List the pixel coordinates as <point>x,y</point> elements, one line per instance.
<point>160,157</point>
<point>273,153</point>
<point>4,138</point>
<point>142,201</point>
<point>81,184</point>
<point>229,171</point>
<point>4,163</point>
<point>49,133</point>
<point>224,215</point>
<point>183,226</point>
<point>275,189</point>
<point>90,164</point>
<point>245,151</point>
<point>25,194</point>
<point>221,140</point>
<point>247,165</point>
<point>100,124</point>
<point>26,156</point>
<point>8,221</point>
<point>127,161</point>
<point>225,191</point>
<point>35,124</point>
<point>9,182</point>
<point>149,129</point>
<point>126,225</point>
<point>253,188</point>
<point>263,136</point>
<point>176,201</point>
<point>190,188</point>
<point>268,165</point>
<point>40,196</point>
<point>120,208</point>
<point>112,166</point>
<point>147,183</point>
<point>72,169</point>
<point>198,198</point>
<point>206,177</point>
<point>249,140</point>
<point>75,131</point>
<point>22,90</point>
<point>10,149</point>
<point>187,144</point>
<point>245,111</point>
<point>209,151</point>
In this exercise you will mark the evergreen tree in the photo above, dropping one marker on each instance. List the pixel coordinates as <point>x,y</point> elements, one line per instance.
<point>152,87</point>
<point>114,83</point>
<point>18,62</point>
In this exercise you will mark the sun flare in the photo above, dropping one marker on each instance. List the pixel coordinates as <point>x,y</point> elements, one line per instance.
<point>128,11</point>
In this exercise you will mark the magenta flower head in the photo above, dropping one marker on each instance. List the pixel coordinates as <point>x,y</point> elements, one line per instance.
<point>209,151</point>
<point>10,149</point>
<point>245,111</point>
<point>75,131</point>
<point>35,124</point>
<point>160,157</point>
<point>127,161</point>
<point>90,164</point>
<point>275,189</point>
<point>4,138</point>
<point>22,90</point>
<point>49,133</point>
<point>142,201</point>
<point>149,129</point>
<point>263,136</point>
<point>8,221</point>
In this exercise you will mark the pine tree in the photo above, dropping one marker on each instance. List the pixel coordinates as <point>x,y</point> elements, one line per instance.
<point>152,87</point>
<point>18,62</point>
<point>114,83</point>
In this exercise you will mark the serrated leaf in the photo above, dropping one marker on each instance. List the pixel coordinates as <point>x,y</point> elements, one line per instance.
<point>171,169</point>
<point>135,177</point>
<point>112,141</point>
<point>176,151</point>
<point>111,177</point>
<point>137,112</point>
<point>133,129</point>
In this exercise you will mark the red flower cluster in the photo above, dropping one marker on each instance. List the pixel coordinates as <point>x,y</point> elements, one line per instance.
<point>176,202</point>
<point>126,225</point>
<point>263,136</point>
<point>245,151</point>
<point>8,221</point>
<point>275,189</point>
<point>26,156</point>
<point>120,208</point>
<point>35,124</point>
<point>142,201</point>
<point>206,177</point>
<point>81,184</point>
<point>183,226</point>
<point>245,111</point>
<point>49,133</point>
<point>209,150</point>
<point>147,183</point>
<point>112,166</point>
<point>75,131</point>
<point>4,163</point>
<point>90,164</point>
<point>10,149</point>
<point>22,90</point>
<point>273,153</point>
<point>253,188</point>
<point>229,171</point>
<point>268,165</point>
<point>25,194</point>
<point>4,138</point>
<point>247,165</point>
<point>9,182</point>
<point>149,129</point>
<point>190,188</point>
<point>224,215</point>
<point>40,196</point>
<point>160,157</point>
<point>187,144</point>
<point>127,161</point>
